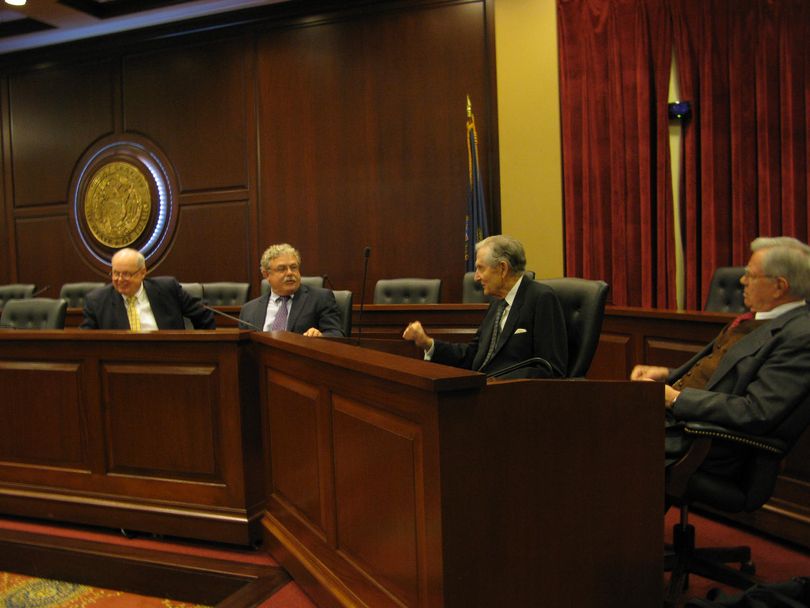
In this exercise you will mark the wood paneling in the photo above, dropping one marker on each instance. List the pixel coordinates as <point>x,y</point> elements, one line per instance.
<point>361,131</point>
<point>187,399</point>
<point>46,251</point>
<point>352,114</point>
<point>383,454</point>
<point>192,101</point>
<point>156,432</point>
<point>55,115</point>
<point>297,470</point>
<point>211,245</point>
<point>36,391</point>
<point>446,486</point>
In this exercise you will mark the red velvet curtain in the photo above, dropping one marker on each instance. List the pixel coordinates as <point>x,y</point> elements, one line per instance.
<point>743,64</point>
<point>614,58</point>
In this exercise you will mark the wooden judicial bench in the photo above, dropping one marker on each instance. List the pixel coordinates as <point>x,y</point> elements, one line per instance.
<point>632,335</point>
<point>340,540</point>
<point>392,481</point>
<point>154,432</point>
<point>376,479</point>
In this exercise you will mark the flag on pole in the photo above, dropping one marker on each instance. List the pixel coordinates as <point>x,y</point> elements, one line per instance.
<point>476,219</point>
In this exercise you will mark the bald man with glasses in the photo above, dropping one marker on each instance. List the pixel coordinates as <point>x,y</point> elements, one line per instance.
<point>138,303</point>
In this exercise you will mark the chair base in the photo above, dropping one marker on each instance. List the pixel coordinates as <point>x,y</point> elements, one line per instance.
<point>684,559</point>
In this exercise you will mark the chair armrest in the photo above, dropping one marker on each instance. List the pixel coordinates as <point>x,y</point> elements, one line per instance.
<point>703,434</point>
<point>766,444</point>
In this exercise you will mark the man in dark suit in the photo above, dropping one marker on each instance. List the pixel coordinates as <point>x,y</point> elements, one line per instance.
<point>752,376</point>
<point>135,302</point>
<point>290,306</point>
<point>524,321</point>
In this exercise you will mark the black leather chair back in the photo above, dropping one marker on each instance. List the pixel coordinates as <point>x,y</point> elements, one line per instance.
<point>725,290</point>
<point>311,281</point>
<point>15,291</point>
<point>74,293</point>
<point>473,293</point>
<point>34,313</point>
<point>407,291</point>
<point>193,289</point>
<point>583,304</point>
<point>344,302</point>
<point>225,294</point>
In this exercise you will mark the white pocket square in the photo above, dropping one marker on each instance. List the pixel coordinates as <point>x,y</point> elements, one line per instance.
<point>520,330</point>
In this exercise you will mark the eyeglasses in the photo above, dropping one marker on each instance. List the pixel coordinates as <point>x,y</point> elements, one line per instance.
<point>123,274</point>
<point>284,268</point>
<point>751,276</point>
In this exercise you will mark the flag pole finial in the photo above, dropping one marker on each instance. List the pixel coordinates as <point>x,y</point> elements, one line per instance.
<point>469,107</point>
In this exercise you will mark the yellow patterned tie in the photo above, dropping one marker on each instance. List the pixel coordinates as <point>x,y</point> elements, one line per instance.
<point>132,313</point>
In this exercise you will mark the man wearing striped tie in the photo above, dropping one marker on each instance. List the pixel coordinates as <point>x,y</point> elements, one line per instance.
<point>757,371</point>
<point>133,301</point>
<point>524,321</point>
<point>289,305</point>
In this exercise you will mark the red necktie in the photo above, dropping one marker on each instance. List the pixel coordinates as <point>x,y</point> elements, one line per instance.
<point>746,316</point>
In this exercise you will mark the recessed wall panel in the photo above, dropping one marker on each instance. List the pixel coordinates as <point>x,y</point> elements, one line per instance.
<point>194,107</point>
<point>41,418</point>
<point>378,468</point>
<point>162,419</point>
<point>55,115</point>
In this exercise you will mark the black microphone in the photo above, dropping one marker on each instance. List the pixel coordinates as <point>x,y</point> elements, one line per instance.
<point>533,362</point>
<point>327,281</point>
<point>366,255</point>
<point>231,317</point>
<point>43,290</point>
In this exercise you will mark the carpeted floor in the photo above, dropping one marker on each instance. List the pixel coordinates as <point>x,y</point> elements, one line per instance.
<point>18,591</point>
<point>775,561</point>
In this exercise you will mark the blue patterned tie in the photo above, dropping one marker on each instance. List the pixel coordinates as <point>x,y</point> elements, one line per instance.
<point>496,333</point>
<point>280,322</point>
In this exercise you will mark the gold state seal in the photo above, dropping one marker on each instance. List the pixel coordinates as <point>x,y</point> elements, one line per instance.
<point>117,204</point>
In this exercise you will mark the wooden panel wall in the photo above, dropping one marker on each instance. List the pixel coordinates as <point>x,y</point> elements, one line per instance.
<point>332,131</point>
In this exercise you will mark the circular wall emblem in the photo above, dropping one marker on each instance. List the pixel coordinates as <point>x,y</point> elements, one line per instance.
<point>117,204</point>
<point>122,195</point>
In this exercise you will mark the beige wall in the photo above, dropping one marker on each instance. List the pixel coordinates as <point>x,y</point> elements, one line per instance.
<point>529,130</point>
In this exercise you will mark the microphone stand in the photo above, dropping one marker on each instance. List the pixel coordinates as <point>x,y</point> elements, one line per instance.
<point>366,254</point>
<point>232,318</point>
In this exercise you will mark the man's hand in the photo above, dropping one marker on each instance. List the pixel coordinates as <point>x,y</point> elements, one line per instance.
<point>313,332</point>
<point>670,395</point>
<point>649,372</point>
<point>417,335</point>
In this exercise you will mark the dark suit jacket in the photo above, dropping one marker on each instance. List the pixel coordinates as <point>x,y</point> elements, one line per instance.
<point>535,327</point>
<point>104,308</point>
<point>311,307</point>
<point>758,383</point>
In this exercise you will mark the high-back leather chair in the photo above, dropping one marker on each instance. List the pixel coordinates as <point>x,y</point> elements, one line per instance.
<point>74,293</point>
<point>473,293</point>
<point>15,291</point>
<point>726,291</point>
<point>344,302</point>
<point>687,484</point>
<point>34,313</point>
<point>193,289</point>
<point>225,293</point>
<point>407,291</point>
<point>310,281</point>
<point>583,304</point>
